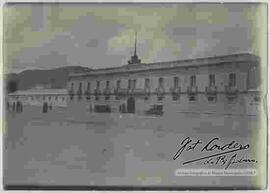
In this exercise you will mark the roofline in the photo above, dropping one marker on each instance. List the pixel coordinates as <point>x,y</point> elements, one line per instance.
<point>129,67</point>
<point>39,94</point>
<point>34,92</point>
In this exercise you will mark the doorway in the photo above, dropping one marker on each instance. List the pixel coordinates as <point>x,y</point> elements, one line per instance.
<point>45,107</point>
<point>131,105</point>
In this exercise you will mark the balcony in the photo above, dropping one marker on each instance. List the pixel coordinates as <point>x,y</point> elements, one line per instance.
<point>139,91</point>
<point>192,90</point>
<point>121,91</point>
<point>97,93</point>
<point>211,90</point>
<point>107,93</point>
<point>160,90</point>
<point>231,92</point>
<point>175,91</point>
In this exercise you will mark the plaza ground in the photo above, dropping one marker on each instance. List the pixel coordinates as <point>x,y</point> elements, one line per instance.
<point>115,149</point>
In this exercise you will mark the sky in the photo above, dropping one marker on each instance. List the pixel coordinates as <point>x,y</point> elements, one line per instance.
<point>44,36</point>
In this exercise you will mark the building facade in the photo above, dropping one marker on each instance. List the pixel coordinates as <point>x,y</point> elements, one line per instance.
<point>215,85</point>
<point>43,99</point>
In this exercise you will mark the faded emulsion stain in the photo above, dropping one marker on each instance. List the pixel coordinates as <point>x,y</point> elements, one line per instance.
<point>119,97</point>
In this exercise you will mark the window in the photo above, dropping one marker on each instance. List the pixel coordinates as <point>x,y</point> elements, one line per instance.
<point>107,96</point>
<point>175,97</point>
<point>118,84</point>
<point>176,82</point>
<point>80,86</point>
<point>63,98</point>
<point>129,84</point>
<point>212,98</point>
<point>134,84</point>
<point>56,98</point>
<point>87,91</point>
<point>232,100</point>
<point>192,98</point>
<point>79,91</point>
<point>232,80</point>
<point>160,82</point>
<point>160,89</point>
<point>71,92</point>
<point>211,80</point>
<point>147,83</point>
<point>102,108</point>
<point>97,84</point>
<point>257,99</point>
<point>193,80</point>
<point>107,84</point>
<point>160,98</point>
<point>88,86</point>
<point>72,85</point>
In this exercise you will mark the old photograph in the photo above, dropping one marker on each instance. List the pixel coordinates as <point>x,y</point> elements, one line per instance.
<point>142,96</point>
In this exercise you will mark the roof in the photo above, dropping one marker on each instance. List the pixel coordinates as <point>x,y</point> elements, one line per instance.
<point>243,57</point>
<point>39,92</point>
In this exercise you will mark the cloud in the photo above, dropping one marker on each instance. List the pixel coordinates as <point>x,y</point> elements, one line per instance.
<point>102,35</point>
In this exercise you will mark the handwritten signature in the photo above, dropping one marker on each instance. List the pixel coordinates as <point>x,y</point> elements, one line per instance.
<point>220,152</point>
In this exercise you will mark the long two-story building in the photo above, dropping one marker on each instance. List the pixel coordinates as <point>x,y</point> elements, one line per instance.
<point>219,85</point>
<point>43,99</point>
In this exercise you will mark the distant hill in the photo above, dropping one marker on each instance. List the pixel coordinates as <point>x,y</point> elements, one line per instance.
<point>52,78</point>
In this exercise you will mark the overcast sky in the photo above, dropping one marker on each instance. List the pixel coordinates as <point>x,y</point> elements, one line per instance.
<point>102,35</point>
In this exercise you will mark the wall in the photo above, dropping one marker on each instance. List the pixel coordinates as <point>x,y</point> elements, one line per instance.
<point>201,105</point>
<point>202,78</point>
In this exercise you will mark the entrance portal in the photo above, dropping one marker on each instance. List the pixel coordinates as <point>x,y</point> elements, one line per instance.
<point>131,105</point>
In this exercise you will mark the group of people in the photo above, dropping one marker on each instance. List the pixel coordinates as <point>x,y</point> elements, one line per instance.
<point>122,108</point>
<point>46,107</point>
<point>18,107</point>
<point>15,107</point>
